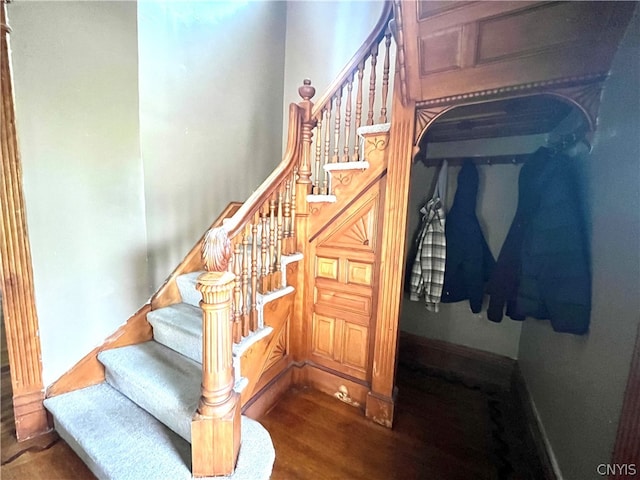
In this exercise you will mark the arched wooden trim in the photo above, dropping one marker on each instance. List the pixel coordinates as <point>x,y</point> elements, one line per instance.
<point>18,300</point>
<point>586,98</point>
<point>582,92</point>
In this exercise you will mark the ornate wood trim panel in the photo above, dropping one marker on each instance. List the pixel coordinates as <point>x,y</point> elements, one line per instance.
<point>18,301</point>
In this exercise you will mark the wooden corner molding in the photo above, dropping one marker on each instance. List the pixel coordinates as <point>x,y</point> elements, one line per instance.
<point>18,301</point>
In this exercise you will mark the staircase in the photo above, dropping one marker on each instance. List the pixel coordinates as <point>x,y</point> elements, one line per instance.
<point>137,424</point>
<point>165,394</point>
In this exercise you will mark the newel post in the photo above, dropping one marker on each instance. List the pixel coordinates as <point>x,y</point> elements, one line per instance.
<point>306,91</point>
<point>215,426</point>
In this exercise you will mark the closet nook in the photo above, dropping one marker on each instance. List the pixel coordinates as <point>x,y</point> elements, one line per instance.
<point>512,213</point>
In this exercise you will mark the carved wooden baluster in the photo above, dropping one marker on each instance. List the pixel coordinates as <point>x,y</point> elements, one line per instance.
<point>272,241</point>
<point>293,210</point>
<point>327,147</point>
<point>347,121</point>
<point>356,147</point>
<point>264,247</point>
<point>306,91</point>
<point>215,427</point>
<point>237,291</point>
<point>287,217</point>
<point>336,134</point>
<point>245,280</point>
<point>318,187</point>
<point>385,78</point>
<point>372,84</point>
<point>254,273</point>
<point>277,281</point>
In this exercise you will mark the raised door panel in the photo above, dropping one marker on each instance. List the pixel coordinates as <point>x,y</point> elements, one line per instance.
<point>323,336</point>
<point>355,346</point>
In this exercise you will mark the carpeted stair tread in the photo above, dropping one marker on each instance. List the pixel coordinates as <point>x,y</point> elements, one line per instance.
<point>179,327</point>
<point>120,441</point>
<point>187,286</point>
<point>161,381</point>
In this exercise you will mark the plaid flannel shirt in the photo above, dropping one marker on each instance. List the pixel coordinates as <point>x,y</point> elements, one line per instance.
<point>427,273</point>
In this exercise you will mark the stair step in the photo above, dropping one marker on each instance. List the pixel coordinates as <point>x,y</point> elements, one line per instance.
<point>321,198</point>
<point>187,286</point>
<point>179,327</point>
<point>120,441</point>
<point>161,381</point>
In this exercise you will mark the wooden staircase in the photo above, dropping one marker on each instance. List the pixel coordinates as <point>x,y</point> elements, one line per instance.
<point>279,291</point>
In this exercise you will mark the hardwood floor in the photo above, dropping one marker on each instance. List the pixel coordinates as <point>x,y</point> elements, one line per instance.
<point>445,429</point>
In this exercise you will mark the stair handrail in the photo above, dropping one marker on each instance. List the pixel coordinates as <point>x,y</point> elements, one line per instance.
<point>374,38</point>
<point>236,223</point>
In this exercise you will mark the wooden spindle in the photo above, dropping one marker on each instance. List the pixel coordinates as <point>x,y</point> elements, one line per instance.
<point>306,91</point>
<point>264,245</point>
<point>358,122</point>
<point>287,216</point>
<point>347,121</point>
<point>253,313</point>
<point>237,292</point>
<point>245,280</point>
<point>385,78</point>
<point>372,84</point>
<point>318,154</point>
<point>293,210</point>
<point>336,132</point>
<point>277,281</point>
<point>327,147</point>
<point>215,427</point>
<point>272,241</point>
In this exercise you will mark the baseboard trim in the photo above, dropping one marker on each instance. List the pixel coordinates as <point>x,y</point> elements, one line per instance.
<point>468,363</point>
<point>537,433</point>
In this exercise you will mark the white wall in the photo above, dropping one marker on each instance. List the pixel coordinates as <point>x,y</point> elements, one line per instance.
<point>211,77</point>
<point>455,322</point>
<point>578,382</point>
<point>322,36</point>
<point>75,67</point>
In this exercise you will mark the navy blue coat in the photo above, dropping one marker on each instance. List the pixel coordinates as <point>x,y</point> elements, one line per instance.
<point>469,261</point>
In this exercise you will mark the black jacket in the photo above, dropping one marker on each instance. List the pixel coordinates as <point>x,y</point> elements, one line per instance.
<point>503,284</point>
<point>555,278</point>
<point>543,267</point>
<point>469,261</point>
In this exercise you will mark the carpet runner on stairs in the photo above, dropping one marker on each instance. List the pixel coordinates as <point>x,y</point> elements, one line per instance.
<point>137,425</point>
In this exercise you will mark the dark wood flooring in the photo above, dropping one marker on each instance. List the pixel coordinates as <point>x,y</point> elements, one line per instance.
<point>445,429</point>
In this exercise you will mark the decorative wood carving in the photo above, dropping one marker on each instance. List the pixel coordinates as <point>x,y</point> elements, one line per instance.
<point>216,250</point>
<point>18,300</point>
<point>280,349</point>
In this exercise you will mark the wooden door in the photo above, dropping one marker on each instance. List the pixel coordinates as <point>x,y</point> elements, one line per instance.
<point>344,259</point>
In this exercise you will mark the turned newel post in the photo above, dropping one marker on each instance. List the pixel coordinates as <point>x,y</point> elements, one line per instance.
<point>215,427</point>
<point>306,91</point>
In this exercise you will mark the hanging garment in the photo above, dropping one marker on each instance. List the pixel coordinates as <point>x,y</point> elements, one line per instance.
<point>555,278</point>
<point>469,261</point>
<point>503,283</point>
<point>427,273</point>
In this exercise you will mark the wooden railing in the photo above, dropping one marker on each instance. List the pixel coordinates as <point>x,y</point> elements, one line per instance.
<point>359,96</point>
<point>243,257</point>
